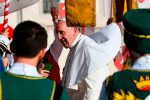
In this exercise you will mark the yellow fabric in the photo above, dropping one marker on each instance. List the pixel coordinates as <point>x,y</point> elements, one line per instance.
<point>133,4</point>
<point>114,10</point>
<point>80,12</point>
<point>125,7</point>
<point>120,7</point>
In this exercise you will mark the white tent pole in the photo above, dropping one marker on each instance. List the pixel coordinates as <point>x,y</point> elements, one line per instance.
<point>19,16</point>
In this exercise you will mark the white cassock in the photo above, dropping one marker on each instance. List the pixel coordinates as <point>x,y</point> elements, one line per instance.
<point>86,65</point>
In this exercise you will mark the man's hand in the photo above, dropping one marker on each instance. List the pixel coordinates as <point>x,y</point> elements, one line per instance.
<point>5,61</point>
<point>110,20</point>
<point>44,73</point>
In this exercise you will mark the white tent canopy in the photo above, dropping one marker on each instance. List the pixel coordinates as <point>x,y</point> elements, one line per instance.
<point>16,5</point>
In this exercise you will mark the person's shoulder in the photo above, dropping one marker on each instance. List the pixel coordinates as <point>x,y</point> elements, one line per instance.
<point>87,41</point>
<point>122,72</point>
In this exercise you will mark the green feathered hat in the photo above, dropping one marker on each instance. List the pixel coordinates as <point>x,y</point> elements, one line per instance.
<point>137,30</point>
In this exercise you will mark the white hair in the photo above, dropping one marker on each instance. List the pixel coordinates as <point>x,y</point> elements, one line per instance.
<point>64,20</point>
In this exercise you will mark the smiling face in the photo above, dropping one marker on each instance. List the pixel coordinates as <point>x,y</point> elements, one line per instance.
<point>65,34</point>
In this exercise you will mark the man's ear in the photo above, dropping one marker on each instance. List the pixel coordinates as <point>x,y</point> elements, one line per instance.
<point>75,31</point>
<point>42,53</point>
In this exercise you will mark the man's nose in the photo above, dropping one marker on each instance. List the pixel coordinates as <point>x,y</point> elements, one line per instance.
<point>59,36</point>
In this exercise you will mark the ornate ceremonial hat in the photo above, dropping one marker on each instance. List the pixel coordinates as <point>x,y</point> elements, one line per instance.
<point>137,30</point>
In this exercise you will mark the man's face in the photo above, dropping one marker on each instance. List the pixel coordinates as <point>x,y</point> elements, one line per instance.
<point>65,34</point>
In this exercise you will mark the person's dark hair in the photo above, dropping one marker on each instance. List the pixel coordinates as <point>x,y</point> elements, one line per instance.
<point>28,39</point>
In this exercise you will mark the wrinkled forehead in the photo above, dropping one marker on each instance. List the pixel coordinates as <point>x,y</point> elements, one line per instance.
<point>61,25</point>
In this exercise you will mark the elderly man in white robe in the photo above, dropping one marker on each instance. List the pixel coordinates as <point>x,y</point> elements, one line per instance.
<point>86,65</point>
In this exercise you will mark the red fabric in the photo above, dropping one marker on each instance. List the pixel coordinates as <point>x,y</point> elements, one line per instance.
<point>61,10</point>
<point>54,73</point>
<point>141,1</point>
<point>1,1</point>
<point>10,30</point>
<point>6,5</point>
<point>121,57</point>
<point>145,88</point>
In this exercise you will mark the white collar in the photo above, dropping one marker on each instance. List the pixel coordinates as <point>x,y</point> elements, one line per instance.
<point>142,63</point>
<point>24,69</point>
<point>76,40</point>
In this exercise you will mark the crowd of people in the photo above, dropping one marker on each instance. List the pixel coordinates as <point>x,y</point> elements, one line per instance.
<point>29,72</point>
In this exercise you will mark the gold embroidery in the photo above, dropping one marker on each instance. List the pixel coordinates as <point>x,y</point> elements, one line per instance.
<point>143,84</point>
<point>123,96</point>
<point>119,96</point>
<point>139,36</point>
<point>53,92</point>
<point>0,90</point>
<point>25,77</point>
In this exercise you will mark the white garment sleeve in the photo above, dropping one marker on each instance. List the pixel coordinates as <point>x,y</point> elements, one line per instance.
<point>109,41</point>
<point>96,60</point>
<point>94,84</point>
